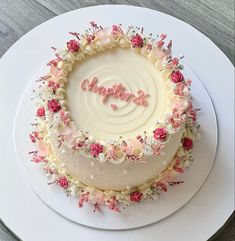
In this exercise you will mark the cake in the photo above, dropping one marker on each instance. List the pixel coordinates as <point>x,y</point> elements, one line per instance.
<point>114,122</point>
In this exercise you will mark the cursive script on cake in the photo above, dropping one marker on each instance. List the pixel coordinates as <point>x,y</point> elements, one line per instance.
<point>117,91</point>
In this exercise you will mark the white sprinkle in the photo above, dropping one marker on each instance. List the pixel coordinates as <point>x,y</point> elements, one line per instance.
<point>91,176</point>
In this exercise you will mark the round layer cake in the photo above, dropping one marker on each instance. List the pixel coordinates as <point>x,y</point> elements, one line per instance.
<point>115,123</point>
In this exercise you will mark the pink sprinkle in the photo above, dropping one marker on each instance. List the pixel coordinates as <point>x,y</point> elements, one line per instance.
<point>169,45</point>
<point>53,85</point>
<point>114,107</point>
<point>34,136</point>
<point>160,43</point>
<point>163,36</point>
<point>93,24</point>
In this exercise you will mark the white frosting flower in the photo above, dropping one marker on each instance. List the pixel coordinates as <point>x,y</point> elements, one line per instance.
<point>111,141</point>
<point>102,157</point>
<point>148,150</point>
<point>73,190</point>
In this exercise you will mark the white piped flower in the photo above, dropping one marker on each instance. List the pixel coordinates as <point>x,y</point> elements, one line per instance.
<point>111,141</point>
<point>148,150</point>
<point>62,53</point>
<point>152,141</point>
<point>73,190</point>
<point>102,157</point>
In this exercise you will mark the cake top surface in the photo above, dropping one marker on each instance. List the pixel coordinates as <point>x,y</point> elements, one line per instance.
<point>110,92</point>
<point>116,93</point>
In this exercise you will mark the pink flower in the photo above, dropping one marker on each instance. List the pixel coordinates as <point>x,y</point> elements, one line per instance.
<point>160,43</point>
<point>157,149</point>
<point>175,119</point>
<point>38,159</point>
<point>73,46</point>
<point>97,207</point>
<point>192,112</point>
<point>179,106</point>
<point>187,143</point>
<point>169,45</point>
<point>53,105</point>
<point>40,112</point>
<point>100,197</point>
<point>90,37</point>
<point>64,117</point>
<point>163,36</point>
<point>53,85</point>
<point>116,30</point>
<point>177,76</point>
<point>113,204</point>
<point>34,136</point>
<point>175,61</point>
<point>79,145</point>
<point>161,186</point>
<point>136,196</point>
<point>179,89</point>
<point>96,149</point>
<point>160,134</point>
<point>137,41</point>
<point>133,147</point>
<point>149,46</point>
<point>56,72</point>
<point>177,167</point>
<point>83,198</point>
<point>63,182</point>
<point>53,63</point>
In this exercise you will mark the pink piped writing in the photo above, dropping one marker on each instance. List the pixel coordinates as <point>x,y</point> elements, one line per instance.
<point>117,91</point>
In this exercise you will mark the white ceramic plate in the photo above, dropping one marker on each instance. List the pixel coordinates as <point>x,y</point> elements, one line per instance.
<point>29,218</point>
<point>136,215</point>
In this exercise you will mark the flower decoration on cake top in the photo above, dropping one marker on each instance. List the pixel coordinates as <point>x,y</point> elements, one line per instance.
<point>53,104</point>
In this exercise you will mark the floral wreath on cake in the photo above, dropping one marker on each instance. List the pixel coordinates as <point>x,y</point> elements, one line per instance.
<point>51,90</point>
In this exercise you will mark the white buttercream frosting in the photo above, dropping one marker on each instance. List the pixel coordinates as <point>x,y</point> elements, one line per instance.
<point>115,66</point>
<point>113,123</point>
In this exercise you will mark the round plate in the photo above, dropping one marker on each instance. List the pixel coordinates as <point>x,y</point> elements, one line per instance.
<point>24,212</point>
<point>150,212</point>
